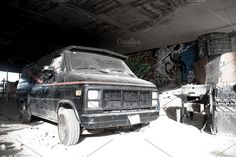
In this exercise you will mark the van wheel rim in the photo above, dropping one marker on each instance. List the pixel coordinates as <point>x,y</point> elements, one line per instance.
<point>22,109</point>
<point>62,127</point>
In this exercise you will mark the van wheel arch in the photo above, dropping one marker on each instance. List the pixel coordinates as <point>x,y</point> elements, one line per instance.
<point>67,104</point>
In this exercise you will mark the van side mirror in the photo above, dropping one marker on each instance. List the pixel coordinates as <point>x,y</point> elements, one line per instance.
<point>48,69</point>
<point>48,73</point>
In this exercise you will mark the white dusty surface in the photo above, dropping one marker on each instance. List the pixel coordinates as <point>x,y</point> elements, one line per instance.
<point>162,138</point>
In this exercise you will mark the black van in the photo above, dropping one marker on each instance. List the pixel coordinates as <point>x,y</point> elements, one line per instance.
<point>85,88</point>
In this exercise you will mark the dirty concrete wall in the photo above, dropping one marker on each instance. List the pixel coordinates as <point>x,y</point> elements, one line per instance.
<point>172,66</point>
<point>216,43</point>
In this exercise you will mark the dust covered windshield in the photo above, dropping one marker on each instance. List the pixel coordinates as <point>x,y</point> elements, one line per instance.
<point>95,63</point>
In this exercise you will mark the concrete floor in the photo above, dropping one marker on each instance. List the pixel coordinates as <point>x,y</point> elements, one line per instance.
<point>163,137</point>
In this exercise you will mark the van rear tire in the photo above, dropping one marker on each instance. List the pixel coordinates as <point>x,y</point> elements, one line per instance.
<point>24,113</point>
<point>68,127</point>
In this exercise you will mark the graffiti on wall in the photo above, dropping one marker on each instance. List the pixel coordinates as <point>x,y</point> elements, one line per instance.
<point>171,65</point>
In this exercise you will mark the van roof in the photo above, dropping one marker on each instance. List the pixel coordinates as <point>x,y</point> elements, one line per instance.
<point>73,48</point>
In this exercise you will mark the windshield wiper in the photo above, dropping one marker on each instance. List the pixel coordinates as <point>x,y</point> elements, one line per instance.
<point>116,70</point>
<point>80,68</point>
<point>106,71</point>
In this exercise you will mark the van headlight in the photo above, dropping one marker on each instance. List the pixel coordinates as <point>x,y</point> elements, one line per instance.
<point>93,104</point>
<point>155,98</point>
<point>154,95</point>
<point>154,102</point>
<point>93,94</point>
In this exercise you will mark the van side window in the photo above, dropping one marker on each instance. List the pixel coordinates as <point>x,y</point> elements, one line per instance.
<point>56,63</point>
<point>30,76</point>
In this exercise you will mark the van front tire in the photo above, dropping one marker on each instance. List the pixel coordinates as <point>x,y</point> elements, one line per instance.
<point>68,127</point>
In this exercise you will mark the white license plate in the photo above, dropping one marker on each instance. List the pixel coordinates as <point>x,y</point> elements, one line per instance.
<point>134,119</point>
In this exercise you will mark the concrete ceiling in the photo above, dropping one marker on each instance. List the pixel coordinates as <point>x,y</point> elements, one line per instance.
<point>186,23</point>
<point>33,28</point>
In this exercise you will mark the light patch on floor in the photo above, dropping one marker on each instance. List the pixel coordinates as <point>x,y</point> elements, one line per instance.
<point>163,138</point>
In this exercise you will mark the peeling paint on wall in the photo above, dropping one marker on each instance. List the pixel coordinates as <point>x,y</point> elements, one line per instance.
<point>37,6</point>
<point>100,27</point>
<point>142,26</point>
<point>154,9</point>
<point>131,15</point>
<point>99,7</point>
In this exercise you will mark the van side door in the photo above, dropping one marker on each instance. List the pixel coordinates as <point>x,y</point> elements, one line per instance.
<point>51,94</point>
<point>36,100</point>
<point>35,94</point>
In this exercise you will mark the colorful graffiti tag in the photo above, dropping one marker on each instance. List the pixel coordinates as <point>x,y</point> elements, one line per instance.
<point>171,65</point>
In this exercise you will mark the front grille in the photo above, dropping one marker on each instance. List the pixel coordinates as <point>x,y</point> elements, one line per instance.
<point>126,99</point>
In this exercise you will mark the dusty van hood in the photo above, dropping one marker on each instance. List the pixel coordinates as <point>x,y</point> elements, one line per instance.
<point>109,79</point>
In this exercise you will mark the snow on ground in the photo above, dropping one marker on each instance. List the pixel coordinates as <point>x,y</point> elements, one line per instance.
<point>163,138</point>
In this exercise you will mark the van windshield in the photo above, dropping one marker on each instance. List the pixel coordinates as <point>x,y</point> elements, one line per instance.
<point>94,63</point>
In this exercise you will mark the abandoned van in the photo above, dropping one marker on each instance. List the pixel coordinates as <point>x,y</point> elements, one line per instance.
<point>85,88</point>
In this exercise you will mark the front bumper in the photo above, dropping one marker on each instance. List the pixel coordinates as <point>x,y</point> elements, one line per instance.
<point>115,119</point>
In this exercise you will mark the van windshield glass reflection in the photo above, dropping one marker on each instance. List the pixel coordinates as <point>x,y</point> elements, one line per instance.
<point>89,62</point>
